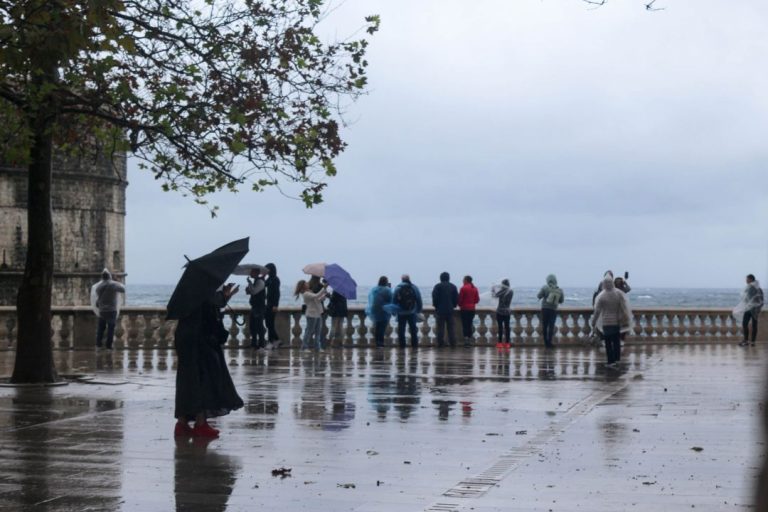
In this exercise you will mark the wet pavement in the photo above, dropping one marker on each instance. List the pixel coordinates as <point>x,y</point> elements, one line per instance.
<point>674,428</point>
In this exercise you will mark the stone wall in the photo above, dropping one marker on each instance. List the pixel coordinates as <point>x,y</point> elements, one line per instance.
<point>89,225</point>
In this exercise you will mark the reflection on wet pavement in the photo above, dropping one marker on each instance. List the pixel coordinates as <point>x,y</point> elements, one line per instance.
<point>460,429</point>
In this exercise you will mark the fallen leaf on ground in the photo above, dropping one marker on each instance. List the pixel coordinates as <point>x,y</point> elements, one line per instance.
<point>282,472</point>
<point>346,486</point>
<point>697,449</point>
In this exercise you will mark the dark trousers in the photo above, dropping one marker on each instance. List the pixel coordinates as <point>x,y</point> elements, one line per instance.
<point>256,326</point>
<point>467,319</point>
<point>548,317</point>
<point>749,316</point>
<point>410,320</point>
<point>107,322</point>
<point>443,322</point>
<point>612,338</point>
<point>269,319</point>
<point>504,329</point>
<point>379,330</point>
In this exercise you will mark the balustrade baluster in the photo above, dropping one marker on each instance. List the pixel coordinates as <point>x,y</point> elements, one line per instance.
<point>148,343</point>
<point>65,331</point>
<point>517,328</point>
<point>362,332</point>
<point>296,330</point>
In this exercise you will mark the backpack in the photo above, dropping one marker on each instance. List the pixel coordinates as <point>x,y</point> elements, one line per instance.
<point>760,297</point>
<point>406,297</point>
<point>553,296</point>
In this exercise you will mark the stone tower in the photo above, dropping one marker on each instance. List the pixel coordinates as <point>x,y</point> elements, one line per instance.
<point>89,226</point>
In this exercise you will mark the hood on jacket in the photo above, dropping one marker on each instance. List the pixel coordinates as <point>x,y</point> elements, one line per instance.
<point>272,269</point>
<point>552,280</point>
<point>445,277</point>
<point>106,275</point>
<point>608,284</point>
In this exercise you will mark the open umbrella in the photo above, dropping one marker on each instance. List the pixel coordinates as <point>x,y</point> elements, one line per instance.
<point>203,276</point>
<point>337,277</point>
<point>244,269</point>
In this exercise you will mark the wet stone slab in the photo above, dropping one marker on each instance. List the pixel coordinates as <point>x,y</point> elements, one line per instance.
<point>675,427</point>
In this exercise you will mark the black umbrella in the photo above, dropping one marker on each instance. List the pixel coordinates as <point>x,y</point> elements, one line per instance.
<point>203,276</point>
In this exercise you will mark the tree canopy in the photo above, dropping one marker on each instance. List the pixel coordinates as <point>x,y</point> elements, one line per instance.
<point>208,95</point>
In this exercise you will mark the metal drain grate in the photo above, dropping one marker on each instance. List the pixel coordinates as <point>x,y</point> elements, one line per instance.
<point>443,507</point>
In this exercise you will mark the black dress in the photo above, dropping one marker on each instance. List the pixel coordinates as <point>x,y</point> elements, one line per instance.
<point>203,383</point>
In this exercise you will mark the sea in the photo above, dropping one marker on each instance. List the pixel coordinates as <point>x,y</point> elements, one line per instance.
<point>157,295</point>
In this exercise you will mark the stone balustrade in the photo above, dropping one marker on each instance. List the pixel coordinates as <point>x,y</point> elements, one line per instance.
<point>145,328</point>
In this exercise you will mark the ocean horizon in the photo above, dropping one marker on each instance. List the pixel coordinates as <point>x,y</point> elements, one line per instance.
<point>157,295</point>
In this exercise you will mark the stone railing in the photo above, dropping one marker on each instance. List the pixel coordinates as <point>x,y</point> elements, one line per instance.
<point>146,328</point>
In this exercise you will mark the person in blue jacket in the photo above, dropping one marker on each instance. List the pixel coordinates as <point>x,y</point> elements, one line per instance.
<point>378,297</point>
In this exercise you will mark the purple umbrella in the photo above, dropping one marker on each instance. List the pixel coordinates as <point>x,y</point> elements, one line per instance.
<point>337,277</point>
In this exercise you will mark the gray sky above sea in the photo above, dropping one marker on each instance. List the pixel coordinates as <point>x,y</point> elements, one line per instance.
<point>514,139</point>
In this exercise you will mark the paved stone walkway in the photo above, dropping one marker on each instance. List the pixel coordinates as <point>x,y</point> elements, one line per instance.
<point>675,428</point>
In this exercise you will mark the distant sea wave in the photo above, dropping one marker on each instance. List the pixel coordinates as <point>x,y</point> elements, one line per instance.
<point>156,295</point>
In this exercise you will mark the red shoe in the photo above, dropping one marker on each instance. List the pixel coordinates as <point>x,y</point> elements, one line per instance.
<point>499,345</point>
<point>507,346</point>
<point>205,430</point>
<point>182,430</point>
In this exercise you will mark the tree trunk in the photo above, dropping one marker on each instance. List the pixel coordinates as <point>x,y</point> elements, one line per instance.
<point>34,348</point>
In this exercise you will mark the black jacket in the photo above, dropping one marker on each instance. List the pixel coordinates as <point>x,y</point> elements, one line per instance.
<point>445,297</point>
<point>337,306</point>
<point>273,292</point>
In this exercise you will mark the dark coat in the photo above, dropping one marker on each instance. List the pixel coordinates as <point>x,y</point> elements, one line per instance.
<point>273,292</point>
<point>258,300</point>
<point>445,298</point>
<point>337,306</point>
<point>203,383</point>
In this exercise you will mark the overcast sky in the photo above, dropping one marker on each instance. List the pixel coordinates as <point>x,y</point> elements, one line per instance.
<point>518,138</point>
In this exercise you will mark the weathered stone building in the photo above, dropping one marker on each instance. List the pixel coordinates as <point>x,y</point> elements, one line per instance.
<point>89,226</point>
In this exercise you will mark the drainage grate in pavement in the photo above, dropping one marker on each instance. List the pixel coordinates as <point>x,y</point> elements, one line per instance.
<point>443,507</point>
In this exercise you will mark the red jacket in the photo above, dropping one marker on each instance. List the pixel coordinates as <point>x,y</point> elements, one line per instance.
<point>468,297</point>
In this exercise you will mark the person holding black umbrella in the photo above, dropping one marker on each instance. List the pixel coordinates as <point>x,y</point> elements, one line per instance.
<point>204,388</point>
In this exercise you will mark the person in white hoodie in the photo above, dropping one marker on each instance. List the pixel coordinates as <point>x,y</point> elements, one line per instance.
<point>313,313</point>
<point>106,305</point>
<point>752,299</point>
<point>611,317</point>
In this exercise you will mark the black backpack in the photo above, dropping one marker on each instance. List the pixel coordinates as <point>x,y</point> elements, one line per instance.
<point>406,297</point>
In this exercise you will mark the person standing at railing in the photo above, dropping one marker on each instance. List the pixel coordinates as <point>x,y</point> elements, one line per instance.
<point>445,298</point>
<point>256,290</point>
<point>504,294</point>
<point>407,298</point>
<point>551,296</point>
<point>273,302</point>
<point>468,299</point>
<point>106,305</point>
<point>611,317</point>
<point>378,297</point>
<point>313,313</point>
<point>751,303</point>
<point>338,311</point>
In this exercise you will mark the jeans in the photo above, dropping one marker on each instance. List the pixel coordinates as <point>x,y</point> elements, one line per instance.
<point>256,326</point>
<point>504,329</point>
<point>749,316</point>
<point>612,338</point>
<point>467,319</point>
<point>107,322</point>
<point>337,329</point>
<point>402,320</point>
<point>548,317</point>
<point>379,330</point>
<point>313,332</point>
<point>444,321</point>
<point>269,319</point>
